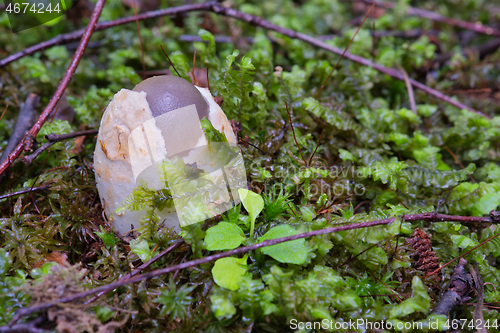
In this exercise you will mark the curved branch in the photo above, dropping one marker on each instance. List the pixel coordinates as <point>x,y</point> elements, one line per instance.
<point>27,143</point>
<point>51,140</point>
<point>430,217</point>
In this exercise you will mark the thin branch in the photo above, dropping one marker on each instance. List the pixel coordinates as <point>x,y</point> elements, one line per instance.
<point>27,327</point>
<point>23,191</point>
<point>257,21</point>
<point>430,217</point>
<point>25,119</point>
<point>27,143</point>
<point>479,28</point>
<point>140,268</point>
<point>69,37</point>
<point>293,131</point>
<point>343,53</point>
<point>409,88</point>
<point>52,139</point>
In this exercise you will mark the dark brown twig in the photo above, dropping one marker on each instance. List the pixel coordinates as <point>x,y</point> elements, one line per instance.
<point>66,38</point>
<point>430,217</point>
<point>140,268</point>
<point>52,139</point>
<point>27,143</point>
<point>477,315</point>
<point>343,53</point>
<point>479,28</point>
<point>26,190</point>
<point>255,20</point>
<point>25,119</point>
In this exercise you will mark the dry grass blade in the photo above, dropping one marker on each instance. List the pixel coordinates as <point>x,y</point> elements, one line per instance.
<point>170,61</point>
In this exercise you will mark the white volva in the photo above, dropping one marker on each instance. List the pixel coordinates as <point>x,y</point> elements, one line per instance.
<point>129,141</point>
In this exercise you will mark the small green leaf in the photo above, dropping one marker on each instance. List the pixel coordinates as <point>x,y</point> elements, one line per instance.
<point>108,238</point>
<point>346,300</point>
<point>462,241</point>
<point>103,313</point>
<point>229,272</point>
<point>419,302</point>
<point>141,248</point>
<point>487,203</point>
<point>346,155</point>
<point>292,252</point>
<point>5,262</point>
<point>224,236</point>
<point>222,307</point>
<point>37,273</point>
<point>253,204</point>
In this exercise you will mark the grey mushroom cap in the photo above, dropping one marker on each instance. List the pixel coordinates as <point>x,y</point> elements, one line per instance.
<point>167,93</point>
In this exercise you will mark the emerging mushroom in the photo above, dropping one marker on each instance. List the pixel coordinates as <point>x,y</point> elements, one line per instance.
<point>153,136</point>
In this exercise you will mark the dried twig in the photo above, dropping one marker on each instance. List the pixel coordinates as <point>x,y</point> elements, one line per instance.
<point>255,20</point>
<point>25,119</point>
<point>477,315</point>
<point>430,217</point>
<point>479,28</point>
<point>27,143</point>
<point>52,139</point>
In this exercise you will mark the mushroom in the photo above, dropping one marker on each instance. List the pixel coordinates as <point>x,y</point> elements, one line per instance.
<point>148,130</point>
